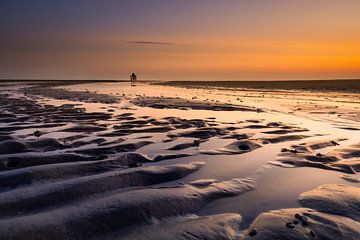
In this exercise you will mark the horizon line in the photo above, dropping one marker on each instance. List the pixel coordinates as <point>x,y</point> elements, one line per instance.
<point>195,80</point>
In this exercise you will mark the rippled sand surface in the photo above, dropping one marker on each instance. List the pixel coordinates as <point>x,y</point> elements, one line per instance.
<point>112,161</point>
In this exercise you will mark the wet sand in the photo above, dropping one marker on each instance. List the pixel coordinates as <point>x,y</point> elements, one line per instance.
<point>111,161</point>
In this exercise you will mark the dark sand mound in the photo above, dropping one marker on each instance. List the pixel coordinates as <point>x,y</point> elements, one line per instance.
<point>31,114</point>
<point>353,165</point>
<point>12,146</point>
<point>63,94</point>
<point>335,216</point>
<point>214,227</point>
<point>351,152</point>
<point>313,145</point>
<point>182,146</point>
<point>22,126</point>
<point>179,103</point>
<point>350,178</point>
<point>18,146</point>
<point>238,136</point>
<point>34,198</point>
<point>45,144</point>
<point>167,156</point>
<point>34,159</point>
<point>124,147</point>
<point>202,133</point>
<point>98,141</point>
<point>286,224</point>
<point>237,147</point>
<point>103,215</point>
<point>51,172</point>
<point>180,123</point>
<point>127,131</point>
<point>286,138</point>
<point>84,129</point>
<point>303,155</point>
<point>323,144</point>
<point>186,145</point>
<point>286,131</point>
<point>134,159</point>
<point>336,199</point>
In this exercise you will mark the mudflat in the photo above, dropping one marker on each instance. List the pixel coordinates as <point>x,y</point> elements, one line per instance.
<point>179,160</point>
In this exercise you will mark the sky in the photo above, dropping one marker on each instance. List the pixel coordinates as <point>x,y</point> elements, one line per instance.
<point>180,39</point>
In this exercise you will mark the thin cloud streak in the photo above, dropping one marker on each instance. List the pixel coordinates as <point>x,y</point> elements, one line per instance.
<point>150,42</point>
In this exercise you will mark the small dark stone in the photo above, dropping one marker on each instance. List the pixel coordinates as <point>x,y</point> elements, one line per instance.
<point>290,225</point>
<point>38,133</point>
<point>296,222</point>
<point>304,223</point>
<point>312,233</point>
<point>298,216</point>
<point>196,143</point>
<point>252,232</point>
<point>284,150</point>
<point>319,155</point>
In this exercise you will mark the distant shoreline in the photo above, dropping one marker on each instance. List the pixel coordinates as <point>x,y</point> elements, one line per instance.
<point>308,85</point>
<point>336,85</point>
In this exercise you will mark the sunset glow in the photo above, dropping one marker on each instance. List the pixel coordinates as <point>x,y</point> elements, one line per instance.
<point>180,40</point>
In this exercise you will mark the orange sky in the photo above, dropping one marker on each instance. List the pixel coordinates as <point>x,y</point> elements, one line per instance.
<point>181,40</point>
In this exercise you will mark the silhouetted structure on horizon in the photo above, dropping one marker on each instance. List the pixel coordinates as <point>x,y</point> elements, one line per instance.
<point>133,79</point>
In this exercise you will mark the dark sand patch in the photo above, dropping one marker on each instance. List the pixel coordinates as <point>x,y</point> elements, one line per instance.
<point>84,129</point>
<point>237,147</point>
<point>279,139</point>
<point>282,224</point>
<point>213,227</point>
<point>185,145</point>
<point>179,103</point>
<point>34,159</point>
<point>335,199</point>
<point>35,198</point>
<point>350,178</point>
<point>303,155</point>
<point>286,131</point>
<point>238,136</point>
<point>63,94</point>
<point>124,209</point>
<point>335,215</point>
<point>124,147</point>
<point>13,146</point>
<point>350,152</point>
<point>12,179</point>
<point>201,133</point>
<point>126,131</point>
<point>31,114</point>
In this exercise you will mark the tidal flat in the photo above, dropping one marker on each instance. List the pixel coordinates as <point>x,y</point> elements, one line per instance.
<point>106,160</point>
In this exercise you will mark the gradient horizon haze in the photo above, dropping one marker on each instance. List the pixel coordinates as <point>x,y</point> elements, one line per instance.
<point>180,39</point>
